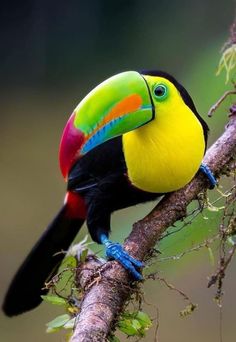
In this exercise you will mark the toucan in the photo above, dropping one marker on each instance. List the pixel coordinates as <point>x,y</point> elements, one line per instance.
<point>133,138</point>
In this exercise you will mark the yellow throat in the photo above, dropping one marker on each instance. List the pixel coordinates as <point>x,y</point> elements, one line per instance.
<point>165,154</point>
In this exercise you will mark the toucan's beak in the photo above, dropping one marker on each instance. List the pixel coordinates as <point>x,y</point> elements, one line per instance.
<point>120,104</point>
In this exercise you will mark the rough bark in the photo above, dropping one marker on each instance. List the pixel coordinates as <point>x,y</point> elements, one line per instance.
<point>107,288</point>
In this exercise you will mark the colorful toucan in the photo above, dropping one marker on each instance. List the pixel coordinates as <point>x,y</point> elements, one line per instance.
<point>133,138</point>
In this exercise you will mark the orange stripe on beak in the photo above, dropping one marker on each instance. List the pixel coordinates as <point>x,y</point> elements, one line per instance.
<point>130,104</point>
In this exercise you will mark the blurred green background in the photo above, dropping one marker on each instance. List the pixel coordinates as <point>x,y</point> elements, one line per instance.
<point>52,54</point>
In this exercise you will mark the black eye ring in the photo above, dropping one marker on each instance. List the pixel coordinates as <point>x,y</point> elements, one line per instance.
<point>160,91</point>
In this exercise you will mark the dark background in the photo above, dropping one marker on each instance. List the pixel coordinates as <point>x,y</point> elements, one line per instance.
<point>52,53</point>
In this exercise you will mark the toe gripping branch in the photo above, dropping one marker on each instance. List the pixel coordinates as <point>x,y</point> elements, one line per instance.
<point>115,251</point>
<point>206,170</point>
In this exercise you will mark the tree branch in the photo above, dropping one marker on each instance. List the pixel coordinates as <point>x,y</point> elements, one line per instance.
<point>107,288</point>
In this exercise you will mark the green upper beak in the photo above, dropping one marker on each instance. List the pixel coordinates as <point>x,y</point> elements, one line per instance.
<point>118,105</point>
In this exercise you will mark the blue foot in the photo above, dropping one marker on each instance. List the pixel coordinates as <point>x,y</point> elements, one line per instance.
<point>206,170</point>
<point>115,251</point>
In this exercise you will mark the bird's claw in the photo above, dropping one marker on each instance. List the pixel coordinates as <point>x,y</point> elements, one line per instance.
<point>207,171</point>
<point>115,251</point>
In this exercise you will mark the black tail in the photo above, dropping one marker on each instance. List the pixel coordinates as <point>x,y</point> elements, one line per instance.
<point>25,290</point>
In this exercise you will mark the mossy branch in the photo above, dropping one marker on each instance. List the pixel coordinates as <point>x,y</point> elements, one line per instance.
<point>108,288</point>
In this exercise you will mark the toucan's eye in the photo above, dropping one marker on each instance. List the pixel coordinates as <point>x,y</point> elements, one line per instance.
<point>160,91</point>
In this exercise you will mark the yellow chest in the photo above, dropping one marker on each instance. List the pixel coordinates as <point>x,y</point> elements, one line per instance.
<point>165,154</point>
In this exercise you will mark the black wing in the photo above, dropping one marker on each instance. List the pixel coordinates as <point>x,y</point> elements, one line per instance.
<point>101,162</point>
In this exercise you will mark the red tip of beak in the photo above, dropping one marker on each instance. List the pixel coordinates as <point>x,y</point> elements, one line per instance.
<point>71,142</point>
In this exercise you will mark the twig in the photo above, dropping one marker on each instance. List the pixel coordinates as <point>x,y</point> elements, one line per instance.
<point>221,271</point>
<point>196,248</point>
<point>221,99</point>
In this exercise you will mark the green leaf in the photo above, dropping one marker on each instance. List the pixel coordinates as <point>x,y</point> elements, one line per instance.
<point>144,319</point>
<point>50,330</point>
<point>83,255</point>
<point>70,324</point>
<point>58,322</point>
<point>134,323</point>
<point>69,261</point>
<point>127,327</point>
<point>55,300</point>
